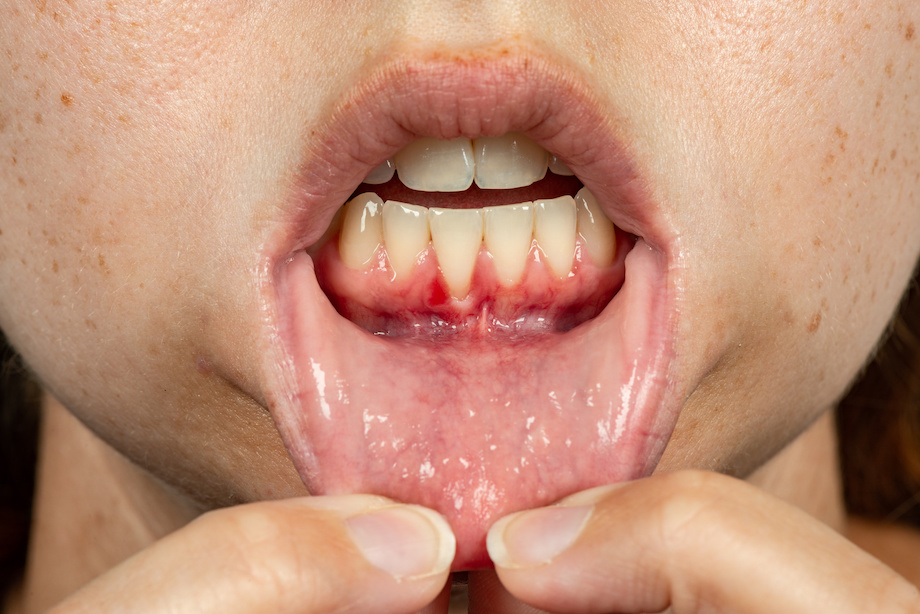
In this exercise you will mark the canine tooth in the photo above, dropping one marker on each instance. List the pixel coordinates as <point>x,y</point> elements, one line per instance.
<point>382,173</point>
<point>596,230</point>
<point>554,230</point>
<point>362,230</point>
<point>456,235</point>
<point>405,233</point>
<point>508,161</point>
<point>433,165</point>
<point>508,232</point>
<point>558,167</point>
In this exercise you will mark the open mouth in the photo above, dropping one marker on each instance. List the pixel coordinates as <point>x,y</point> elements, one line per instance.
<point>469,304</point>
<point>423,253</point>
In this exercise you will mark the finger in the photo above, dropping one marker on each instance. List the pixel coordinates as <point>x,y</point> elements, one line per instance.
<point>303,555</point>
<point>692,541</point>
<point>440,604</point>
<point>487,595</point>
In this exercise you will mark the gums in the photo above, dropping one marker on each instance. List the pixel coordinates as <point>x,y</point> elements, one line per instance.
<point>421,306</point>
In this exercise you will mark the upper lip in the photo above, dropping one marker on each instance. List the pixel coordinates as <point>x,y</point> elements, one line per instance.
<point>468,95</point>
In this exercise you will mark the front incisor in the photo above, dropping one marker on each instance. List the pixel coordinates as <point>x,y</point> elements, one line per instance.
<point>433,165</point>
<point>405,233</point>
<point>508,161</point>
<point>456,236</point>
<point>508,232</point>
<point>554,230</point>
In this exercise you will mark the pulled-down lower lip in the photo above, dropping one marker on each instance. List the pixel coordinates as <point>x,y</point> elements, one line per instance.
<point>475,426</point>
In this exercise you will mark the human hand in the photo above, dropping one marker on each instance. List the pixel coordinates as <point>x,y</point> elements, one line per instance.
<point>691,541</point>
<point>310,555</point>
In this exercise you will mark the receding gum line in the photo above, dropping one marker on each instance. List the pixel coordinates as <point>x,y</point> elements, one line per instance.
<point>364,228</point>
<point>420,304</point>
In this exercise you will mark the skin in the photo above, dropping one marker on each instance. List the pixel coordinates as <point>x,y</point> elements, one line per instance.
<point>144,151</point>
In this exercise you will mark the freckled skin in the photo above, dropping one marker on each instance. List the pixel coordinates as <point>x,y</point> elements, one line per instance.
<point>133,211</point>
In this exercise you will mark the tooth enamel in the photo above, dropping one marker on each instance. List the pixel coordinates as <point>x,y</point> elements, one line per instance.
<point>558,167</point>
<point>362,230</point>
<point>596,230</point>
<point>508,232</point>
<point>508,161</point>
<point>433,165</point>
<point>456,235</point>
<point>382,173</point>
<point>405,233</point>
<point>554,230</point>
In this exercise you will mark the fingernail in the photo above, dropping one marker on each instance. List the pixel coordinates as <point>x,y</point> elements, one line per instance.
<point>592,495</point>
<point>406,541</point>
<point>536,537</point>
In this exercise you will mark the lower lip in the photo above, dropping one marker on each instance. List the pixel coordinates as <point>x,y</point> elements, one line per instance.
<point>482,427</point>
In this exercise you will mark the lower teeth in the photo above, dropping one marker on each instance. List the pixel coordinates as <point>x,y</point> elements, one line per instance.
<point>509,233</point>
<point>404,270</point>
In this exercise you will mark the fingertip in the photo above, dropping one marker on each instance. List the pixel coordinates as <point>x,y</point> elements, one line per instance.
<point>296,555</point>
<point>536,537</point>
<point>401,554</point>
<point>409,542</point>
<point>344,505</point>
<point>495,542</point>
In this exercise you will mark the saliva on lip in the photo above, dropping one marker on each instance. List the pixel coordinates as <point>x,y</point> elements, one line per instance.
<point>539,254</point>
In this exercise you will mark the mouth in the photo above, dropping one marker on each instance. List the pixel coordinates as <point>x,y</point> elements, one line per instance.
<point>469,302</point>
<point>484,245</point>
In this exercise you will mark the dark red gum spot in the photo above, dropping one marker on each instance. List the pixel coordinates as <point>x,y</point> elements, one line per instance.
<point>438,295</point>
<point>421,305</point>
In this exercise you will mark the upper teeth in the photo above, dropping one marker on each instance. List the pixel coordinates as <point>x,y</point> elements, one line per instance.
<point>508,161</point>
<point>504,162</point>
<point>456,236</point>
<point>432,165</point>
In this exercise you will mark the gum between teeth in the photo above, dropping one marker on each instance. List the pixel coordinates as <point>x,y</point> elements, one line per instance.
<point>508,233</point>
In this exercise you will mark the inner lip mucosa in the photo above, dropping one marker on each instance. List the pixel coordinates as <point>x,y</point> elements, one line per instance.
<point>493,351</point>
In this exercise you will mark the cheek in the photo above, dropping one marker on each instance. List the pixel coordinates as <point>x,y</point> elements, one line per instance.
<point>138,174</point>
<point>105,213</point>
<point>797,207</point>
<point>839,169</point>
<point>132,217</point>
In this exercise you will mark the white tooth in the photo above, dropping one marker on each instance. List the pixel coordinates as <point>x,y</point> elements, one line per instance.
<point>508,161</point>
<point>558,167</point>
<point>508,232</point>
<point>596,229</point>
<point>405,233</point>
<point>362,230</point>
<point>433,165</point>
<point>382,173</point>
<point>554,230</point>
<point>456,235</point>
